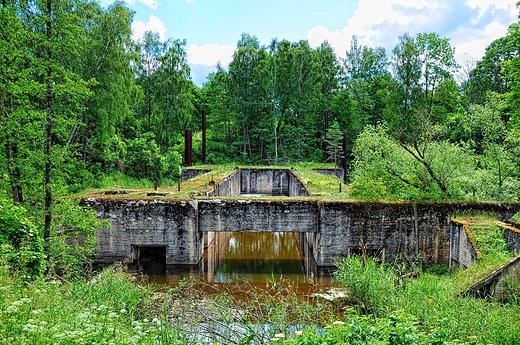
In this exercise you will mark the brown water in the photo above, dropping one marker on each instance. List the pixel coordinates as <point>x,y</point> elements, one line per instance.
<point>253,260</point>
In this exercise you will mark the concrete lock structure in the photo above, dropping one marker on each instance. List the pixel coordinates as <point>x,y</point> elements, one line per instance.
<point>327,230</point>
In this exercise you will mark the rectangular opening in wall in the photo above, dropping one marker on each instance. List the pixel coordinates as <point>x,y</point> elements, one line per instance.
<point>150,260</point>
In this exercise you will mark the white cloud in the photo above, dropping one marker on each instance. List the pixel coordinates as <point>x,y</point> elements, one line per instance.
<point>471,25</point>
<point>154,24</point>
<point>153,4</point>
<point>210,54</point>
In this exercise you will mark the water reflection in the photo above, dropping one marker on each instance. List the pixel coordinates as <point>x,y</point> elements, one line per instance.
<point>260,258</point>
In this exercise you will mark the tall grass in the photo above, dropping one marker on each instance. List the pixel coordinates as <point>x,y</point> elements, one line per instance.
<point>435,301</point>
<point>371,286</point>
<point>106,310</point>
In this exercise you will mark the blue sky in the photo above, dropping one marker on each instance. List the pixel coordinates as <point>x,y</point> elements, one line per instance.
<point>212,27</point>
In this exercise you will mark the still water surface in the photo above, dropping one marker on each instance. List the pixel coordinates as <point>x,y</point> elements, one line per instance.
<point>260,258</point>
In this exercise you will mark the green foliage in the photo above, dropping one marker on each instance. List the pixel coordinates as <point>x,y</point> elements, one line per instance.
<point>370,286</point>
<point>383,168</point>
<point>490,239</point>
<point>109,309</point>
<point>334,142</point>
<point>21,246</point>
<point>399,328</point>
<point>144,159</point>
<point>371,189</point>
<point>73,240</point>
<point>438,269</point>
<point>516,218</point>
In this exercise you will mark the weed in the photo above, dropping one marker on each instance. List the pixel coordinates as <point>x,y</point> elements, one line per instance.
<point>371,286</point>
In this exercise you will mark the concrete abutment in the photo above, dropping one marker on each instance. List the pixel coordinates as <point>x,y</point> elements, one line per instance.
<point>329,230</point>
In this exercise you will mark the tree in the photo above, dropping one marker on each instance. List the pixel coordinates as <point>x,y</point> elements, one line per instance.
<point>383,168</point>
<point>511,70</point>
<point>488,74</point>
<point>249,80</point>
<point>174,101</point>
<point>107,55</point>
<point>420,66</point>
<point>144,159</point>
<point>335,144</point>
<point>15,84</point>
<point>217,102</point>
<point>499,148</point>
<point>149,49</point>
<point>55,45</point>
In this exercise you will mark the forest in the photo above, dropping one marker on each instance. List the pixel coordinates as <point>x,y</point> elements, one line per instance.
<point>82,105</point>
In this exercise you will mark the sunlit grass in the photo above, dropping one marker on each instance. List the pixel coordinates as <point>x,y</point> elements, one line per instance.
<point>108,309</point>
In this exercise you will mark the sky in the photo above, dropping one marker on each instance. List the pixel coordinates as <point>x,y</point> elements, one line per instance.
<point>212,28</point>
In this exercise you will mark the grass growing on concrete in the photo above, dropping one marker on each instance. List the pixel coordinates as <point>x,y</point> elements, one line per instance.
<point>322,186</point>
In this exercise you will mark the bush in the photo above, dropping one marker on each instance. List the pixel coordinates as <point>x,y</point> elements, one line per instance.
<point>366,188</point>
<point>73,241</point>
<point>144,160</point>
<point>21,246</point>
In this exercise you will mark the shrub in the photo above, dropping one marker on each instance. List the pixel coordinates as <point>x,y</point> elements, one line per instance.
<point>21,246</point>
<point>73,240</point>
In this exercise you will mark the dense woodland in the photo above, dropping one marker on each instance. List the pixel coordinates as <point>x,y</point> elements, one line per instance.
<point>80,101</point>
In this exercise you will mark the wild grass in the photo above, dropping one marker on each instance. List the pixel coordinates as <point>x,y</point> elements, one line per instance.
<point>434,301</point>
<point>109,309</point>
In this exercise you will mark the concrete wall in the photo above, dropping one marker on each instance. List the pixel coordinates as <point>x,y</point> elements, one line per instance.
<point>384,229</point>
<point>270,182</point>
<point>257,215</point>
<point>228,187</point>
<point>148,223</point>
<point>512,236</point>
<point>260,181</point>
<point>191,173</point>
<point>463,250</point>
<point>496,285</point>
<point>333,229</point>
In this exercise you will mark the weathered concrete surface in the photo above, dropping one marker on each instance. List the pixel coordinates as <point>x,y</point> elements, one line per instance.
<point>270,182</point>
<point>331,230</point>
<point>463,249</point>
<point>261,181</point>
<point>512,236</point>
<point>387,229</point>
<point>191,173</point>
<point>496,285</point>
<point>229,186</point>
<point>148,223</point>
<point>257,215</point>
